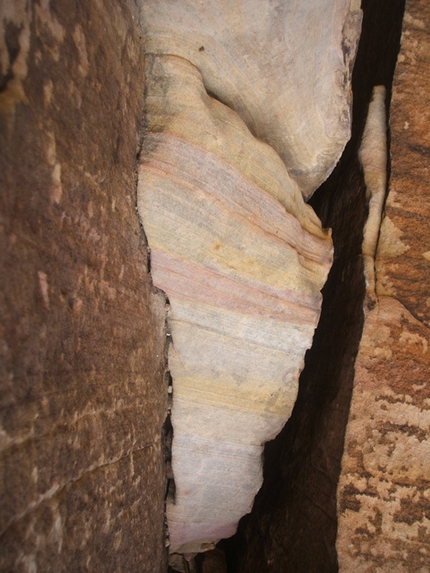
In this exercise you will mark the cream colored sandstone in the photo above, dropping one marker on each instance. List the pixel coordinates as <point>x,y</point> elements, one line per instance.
<point>235,248</point>
<point>275,64</point>
<point>242,260</point>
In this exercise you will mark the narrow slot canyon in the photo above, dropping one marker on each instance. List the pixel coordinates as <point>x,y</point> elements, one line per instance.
<point>160,288</point>
<point>293,524</point>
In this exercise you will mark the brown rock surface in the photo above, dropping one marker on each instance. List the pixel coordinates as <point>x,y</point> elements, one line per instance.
<point>82,342</point>
<point>384,494</point>
<point>384,490</point>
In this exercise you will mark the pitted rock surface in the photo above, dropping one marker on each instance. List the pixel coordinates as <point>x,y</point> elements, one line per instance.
<point>82,341</point>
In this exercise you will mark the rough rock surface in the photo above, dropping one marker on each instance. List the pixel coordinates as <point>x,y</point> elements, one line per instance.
<point>82,384</point>
<point>384,490</point>
<point>242,260</point>
<point>285,74</point>
<point>293,524</point>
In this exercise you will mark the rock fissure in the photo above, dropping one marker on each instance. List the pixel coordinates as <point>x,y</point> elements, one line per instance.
<point>294,519</point>
<point>83,354</point>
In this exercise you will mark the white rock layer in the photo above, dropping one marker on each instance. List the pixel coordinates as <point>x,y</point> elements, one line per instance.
<point>283,65</point>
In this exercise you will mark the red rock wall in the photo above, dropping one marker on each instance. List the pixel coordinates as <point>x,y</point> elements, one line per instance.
<point>83,397</point>
<point>82,343</point>
<point>384,490</point>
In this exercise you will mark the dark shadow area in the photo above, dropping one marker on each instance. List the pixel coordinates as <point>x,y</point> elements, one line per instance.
<point>292,527</point>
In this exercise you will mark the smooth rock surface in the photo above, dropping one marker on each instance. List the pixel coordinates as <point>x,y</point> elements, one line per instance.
<point>242,260</point>
<point>384,490</point>
<point>83,396</point>
<point>283,66</point>
<point>373,160</point>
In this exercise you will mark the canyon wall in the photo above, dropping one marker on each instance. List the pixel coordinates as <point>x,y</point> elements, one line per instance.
<point>83,385</point>
<point>83,395</point>
<point>384,488</point>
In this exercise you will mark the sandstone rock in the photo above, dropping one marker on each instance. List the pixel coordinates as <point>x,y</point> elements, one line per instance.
<point>384,493</point>
<point>373,159</point>
<point>384,490</point>
<point>240,256</point>
<point>275,64</point>
<point>242,260</point>
<point>83,396</point>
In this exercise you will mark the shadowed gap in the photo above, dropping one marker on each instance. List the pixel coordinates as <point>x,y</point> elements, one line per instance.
<point>292,527</point>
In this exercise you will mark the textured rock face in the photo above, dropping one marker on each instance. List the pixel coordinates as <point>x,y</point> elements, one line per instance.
<point>239,254</point>
<point>242,260</point>
<point>384,491</point>
<point>82,342</point>
<point>285,74</point>
<point>384,496</point>
<point>293,524</point>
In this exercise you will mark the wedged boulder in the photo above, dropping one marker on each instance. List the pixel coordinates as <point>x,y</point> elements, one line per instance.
<point>242,260</point>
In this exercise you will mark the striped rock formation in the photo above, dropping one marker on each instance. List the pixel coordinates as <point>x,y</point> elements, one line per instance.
<point>242,260</point>
<point>239,254</point>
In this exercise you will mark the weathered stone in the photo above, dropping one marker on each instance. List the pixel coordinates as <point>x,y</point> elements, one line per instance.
<point>384,490</point>
<point>373,159</point>
<point>404,253</point>
<point>284,72</point>
<point>82,341</point>
<point>293,524</point>
<point>239,255</point>
<point>242,260</point>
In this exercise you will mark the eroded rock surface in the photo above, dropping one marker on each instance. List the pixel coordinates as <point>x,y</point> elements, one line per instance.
<point>242,260</point>
<point>283,66</point>
<point>384,491</point>
<point>384,496</point>
<point>239,254</point>
<point>81,336</point>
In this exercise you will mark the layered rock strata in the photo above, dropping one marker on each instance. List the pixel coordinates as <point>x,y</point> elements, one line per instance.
<point>242,260</point>
<point>384,489</point>
<point>240,256</point>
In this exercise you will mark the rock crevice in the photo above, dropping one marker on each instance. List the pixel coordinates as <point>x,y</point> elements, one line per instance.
<point>293,526</point>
